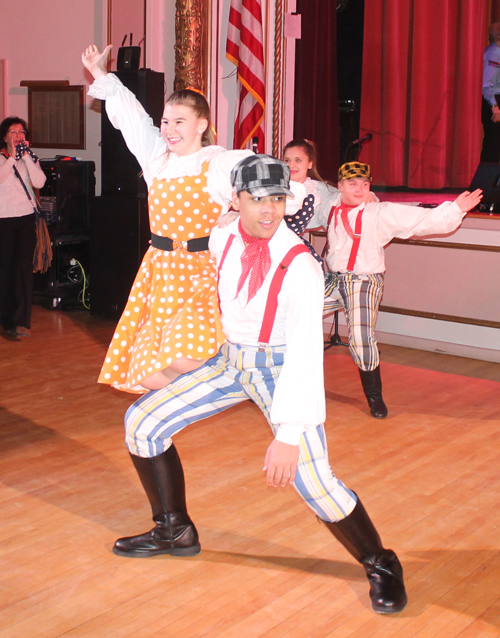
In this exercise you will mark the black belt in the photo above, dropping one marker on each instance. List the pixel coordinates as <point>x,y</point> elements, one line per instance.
<point>192,245</point>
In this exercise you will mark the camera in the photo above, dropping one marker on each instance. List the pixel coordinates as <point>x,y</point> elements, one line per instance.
<point>21,149</point>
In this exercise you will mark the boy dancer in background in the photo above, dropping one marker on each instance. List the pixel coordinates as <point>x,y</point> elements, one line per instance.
<point>357,231</point>
<point>271,294</point>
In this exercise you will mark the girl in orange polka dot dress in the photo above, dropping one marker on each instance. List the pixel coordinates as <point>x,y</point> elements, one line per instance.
<point>171,322</point>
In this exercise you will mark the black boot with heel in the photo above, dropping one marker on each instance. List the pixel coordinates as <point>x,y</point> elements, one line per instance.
<point>162,477</point>
<point>372,387</point>
<point>358,535</point>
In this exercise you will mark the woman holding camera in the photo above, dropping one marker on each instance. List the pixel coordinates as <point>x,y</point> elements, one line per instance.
<point>20,172</point>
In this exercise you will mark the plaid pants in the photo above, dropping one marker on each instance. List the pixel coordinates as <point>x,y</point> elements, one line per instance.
<point>235,374</point>
<point>361,296</point>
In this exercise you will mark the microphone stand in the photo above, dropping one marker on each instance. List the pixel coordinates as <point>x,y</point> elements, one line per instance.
<point>357,146</point>
<point>334,339</point>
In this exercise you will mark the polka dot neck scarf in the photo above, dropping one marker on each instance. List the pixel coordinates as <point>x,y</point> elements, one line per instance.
<point>255,260</point>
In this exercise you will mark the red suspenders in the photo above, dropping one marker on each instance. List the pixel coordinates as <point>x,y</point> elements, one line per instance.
<point>222,260</point>
<point>355,241</point>
<point>274,288</point>
<point>356,236</point>
<point>226,250</point>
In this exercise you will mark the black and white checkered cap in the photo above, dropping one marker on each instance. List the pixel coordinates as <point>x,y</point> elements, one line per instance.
<point>261,175</point>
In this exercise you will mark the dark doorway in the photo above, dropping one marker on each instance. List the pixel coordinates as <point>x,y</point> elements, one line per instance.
<point>350,25</point>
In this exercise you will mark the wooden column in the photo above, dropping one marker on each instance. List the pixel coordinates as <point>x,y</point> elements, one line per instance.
<point>192,46</point>
<point>278,80</point>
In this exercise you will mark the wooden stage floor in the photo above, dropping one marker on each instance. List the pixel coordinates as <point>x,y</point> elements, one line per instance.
<point>429,476</point>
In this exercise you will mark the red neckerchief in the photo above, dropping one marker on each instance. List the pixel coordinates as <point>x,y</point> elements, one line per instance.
<point>255,260</point>
<point>344,210</point>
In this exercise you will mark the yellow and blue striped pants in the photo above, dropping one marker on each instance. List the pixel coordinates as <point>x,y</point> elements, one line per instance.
<point>235,374</point>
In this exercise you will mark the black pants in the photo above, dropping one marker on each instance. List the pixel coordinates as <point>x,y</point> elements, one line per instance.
<point>17,247</point>
<point>491,141</point>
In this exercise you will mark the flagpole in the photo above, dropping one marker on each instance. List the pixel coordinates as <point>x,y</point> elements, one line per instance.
<point>278,46</point>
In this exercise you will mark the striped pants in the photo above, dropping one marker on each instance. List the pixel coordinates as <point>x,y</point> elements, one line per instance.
<point>235,374</point>
<point>361,296</point>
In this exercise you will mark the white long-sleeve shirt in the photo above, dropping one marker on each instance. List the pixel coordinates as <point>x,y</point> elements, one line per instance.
<point>299,399</point>
<point>381,222</point>
<point>491,73</point>
<point>144,140</point>
<point>13,199</point>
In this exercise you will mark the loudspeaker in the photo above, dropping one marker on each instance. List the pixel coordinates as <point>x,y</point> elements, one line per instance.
<point>487,178</point>
<point>66,195</point>
<point>121,172</point>
<point>129,59</point>
<point>119,237</point>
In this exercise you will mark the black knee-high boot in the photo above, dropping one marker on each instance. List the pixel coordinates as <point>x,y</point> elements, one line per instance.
<point>358,535</point>
<point>162,477</point>
<point>372,386</point>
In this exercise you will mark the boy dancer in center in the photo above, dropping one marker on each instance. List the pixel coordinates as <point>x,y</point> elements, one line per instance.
<point>271,296</point>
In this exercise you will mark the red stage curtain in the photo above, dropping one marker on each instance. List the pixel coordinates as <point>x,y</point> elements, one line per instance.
<point>492,11</point>
<point>421,93</point>
<point>316,96</point>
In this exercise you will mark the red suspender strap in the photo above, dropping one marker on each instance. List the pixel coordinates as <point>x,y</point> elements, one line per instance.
<point>325,249</point>
<point>330,217</point>
<point>355,241</point>
<point>222,260</point>
<point>274,290</point>
<point>226,250</point>
<point>356,236</point>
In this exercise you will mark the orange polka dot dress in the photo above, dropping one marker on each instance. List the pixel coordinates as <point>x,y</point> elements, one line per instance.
<point>172,310</point>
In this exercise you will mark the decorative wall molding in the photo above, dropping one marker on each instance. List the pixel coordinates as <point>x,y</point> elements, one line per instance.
<point>446,244</point>
<point>278,80</point>
<point>200,33</point>
<point>3,89</point>
<point>192,46</point>
<point>440,317</point>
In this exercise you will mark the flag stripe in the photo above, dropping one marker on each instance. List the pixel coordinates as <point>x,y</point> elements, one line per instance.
<point>253,45</point>
<point>253,7</point>
<point>245,49</point>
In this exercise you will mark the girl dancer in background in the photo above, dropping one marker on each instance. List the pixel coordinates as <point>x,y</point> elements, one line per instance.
<point>301,157</point>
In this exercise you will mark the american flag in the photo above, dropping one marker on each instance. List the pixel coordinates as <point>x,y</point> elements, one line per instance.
<point>245,49</point>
